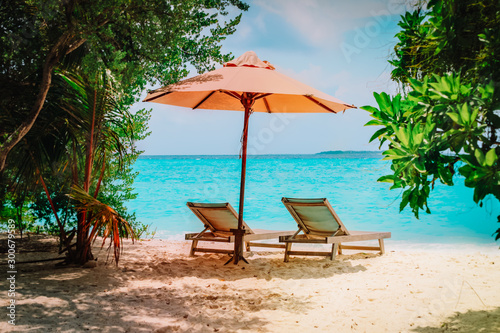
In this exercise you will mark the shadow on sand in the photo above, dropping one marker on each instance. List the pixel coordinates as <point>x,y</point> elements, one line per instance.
<point>155,294</point>
<point>468,322</point>
<point>69,299</point>
<point>259,267</point>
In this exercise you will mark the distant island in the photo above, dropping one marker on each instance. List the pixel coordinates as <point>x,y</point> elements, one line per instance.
<point>335,152</point>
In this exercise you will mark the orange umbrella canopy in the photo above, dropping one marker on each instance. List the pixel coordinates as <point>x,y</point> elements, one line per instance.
<point>222,89</point>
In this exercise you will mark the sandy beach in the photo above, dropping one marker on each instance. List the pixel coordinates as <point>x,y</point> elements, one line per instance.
<point>157,287</point>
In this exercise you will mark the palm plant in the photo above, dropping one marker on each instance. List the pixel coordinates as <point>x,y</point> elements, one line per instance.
<point>81,133</point>
<point>96,114</point>
<point>102,220</point>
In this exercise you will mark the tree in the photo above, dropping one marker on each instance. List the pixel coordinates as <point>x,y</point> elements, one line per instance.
<point>96,115</point>
<point>446,120</point>
<point>136,41</point>
<point>75,67</point>
<point>84,147</point>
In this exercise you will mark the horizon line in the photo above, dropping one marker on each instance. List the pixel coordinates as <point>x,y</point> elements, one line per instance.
<point>319,153</point>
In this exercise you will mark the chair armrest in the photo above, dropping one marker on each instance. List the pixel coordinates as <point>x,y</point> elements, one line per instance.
<point>191,236</point>
<point>283,239</point>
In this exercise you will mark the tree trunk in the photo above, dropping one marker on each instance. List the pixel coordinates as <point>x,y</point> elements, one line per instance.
<point>83,246</point>
<point>20,218</point>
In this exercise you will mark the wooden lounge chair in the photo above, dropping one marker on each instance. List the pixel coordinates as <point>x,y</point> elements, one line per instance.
<point>221,220</point>
<point>320,224</point>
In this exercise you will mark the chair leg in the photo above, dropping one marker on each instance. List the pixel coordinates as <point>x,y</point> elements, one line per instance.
<point>335,249</point>
<point>340,249</point>
<point>193,247</point>
<point>247,246</point>
<point>381,244</point>
<point>288,247</point>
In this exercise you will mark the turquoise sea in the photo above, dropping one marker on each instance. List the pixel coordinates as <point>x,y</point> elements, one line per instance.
<point>348,180</point>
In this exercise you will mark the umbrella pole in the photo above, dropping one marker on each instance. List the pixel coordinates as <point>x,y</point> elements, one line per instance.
<point>238,241</point>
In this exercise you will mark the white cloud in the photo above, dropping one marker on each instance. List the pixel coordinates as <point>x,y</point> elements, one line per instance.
<point>324,21</point>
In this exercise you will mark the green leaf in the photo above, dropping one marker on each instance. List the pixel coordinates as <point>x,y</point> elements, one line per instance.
<point>474,114</point>
<point>440,47</point>
<point>386,179</point>
<point>465,90</point>
<point>490,87</point>
<point>405,200</point>
<point>477,175</point>
<point>396,104</point>
<point>438,108</point>
<point>491,157</point>
<point>369,108</point>
<point>402,135</point>
<point>378,133</point>
<point>418,86</point>
<point>374,122</point>
<point>439,89</point>
<point>429,127</point>
<point>384,103</point>
<point>445,175</point>
<point>416,135</point>
<point>394,154</point>
<point>455,117</point>
<point>480,192</point>
<point>394,142</point>
<point>465,113</point>
<point>419,166</point>
<point>456,140</point>
<point>466,170</point>
<point>479,156</point>
<point>418,139</point>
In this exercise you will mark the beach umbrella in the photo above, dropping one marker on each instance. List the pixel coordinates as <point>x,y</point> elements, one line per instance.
<point>251,85</point>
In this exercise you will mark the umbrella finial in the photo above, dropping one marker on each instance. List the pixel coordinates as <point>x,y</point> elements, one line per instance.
<point>249,59</point>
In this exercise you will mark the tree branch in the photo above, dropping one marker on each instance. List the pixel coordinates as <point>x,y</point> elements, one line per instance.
<point>75,45</point>
<point>53,57</point>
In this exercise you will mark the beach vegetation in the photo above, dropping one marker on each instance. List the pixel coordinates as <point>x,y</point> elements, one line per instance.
<point>86,144</point>
<point>443,125</point>
<point>69,73</point>
<point>138,42</point>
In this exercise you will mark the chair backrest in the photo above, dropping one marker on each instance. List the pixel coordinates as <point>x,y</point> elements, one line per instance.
<point>220,218</point>
<point>315,216</point>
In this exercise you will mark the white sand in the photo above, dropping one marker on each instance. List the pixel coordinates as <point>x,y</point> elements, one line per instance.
<point>157,287</point>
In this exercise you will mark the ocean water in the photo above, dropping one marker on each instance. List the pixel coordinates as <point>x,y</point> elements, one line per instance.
<point>348,180</point>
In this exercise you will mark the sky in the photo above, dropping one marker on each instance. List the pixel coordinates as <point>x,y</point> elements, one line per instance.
<point>338,47</point>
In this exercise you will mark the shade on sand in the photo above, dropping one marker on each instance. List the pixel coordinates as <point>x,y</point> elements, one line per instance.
<point>251,85</point>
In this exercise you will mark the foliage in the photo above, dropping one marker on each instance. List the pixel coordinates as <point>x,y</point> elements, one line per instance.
<point>17,209</point>
<point>449,36</point>
<point>117,184</point>
<point>75,67</point>
<point>446,121</point>
<point>57,153</point>
<point>97,163</point>
<point>42,209</point>
<point>143,231</point>
<point>137,42</point>
<point>103,220</point>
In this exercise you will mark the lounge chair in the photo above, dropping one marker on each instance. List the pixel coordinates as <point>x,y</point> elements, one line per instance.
<point>220,220</point>
<point>319,223</point>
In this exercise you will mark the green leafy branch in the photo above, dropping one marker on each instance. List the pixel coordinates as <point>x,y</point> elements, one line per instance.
<point>432,130</point>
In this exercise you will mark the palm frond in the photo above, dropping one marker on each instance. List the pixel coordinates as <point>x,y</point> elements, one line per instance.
<point>103,220</point>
